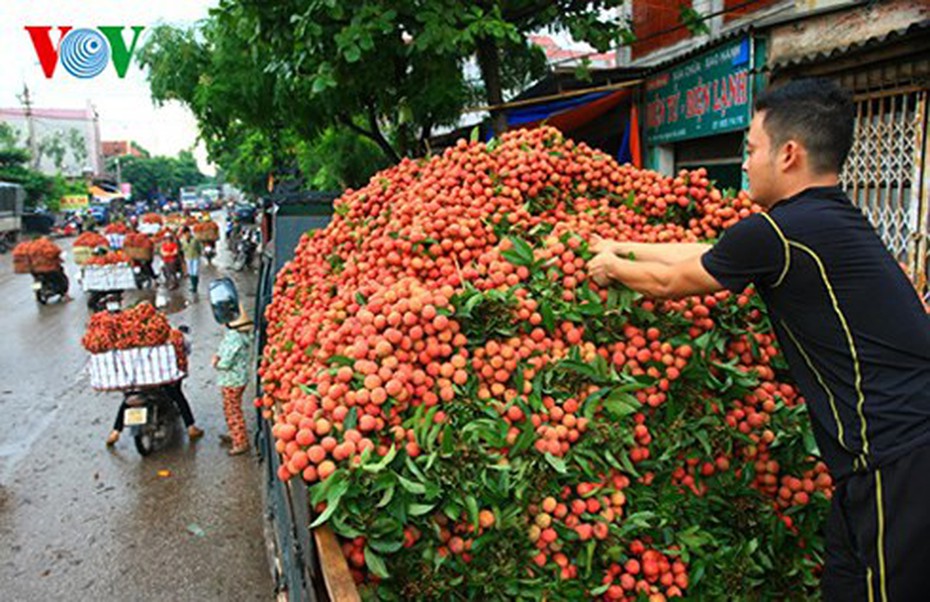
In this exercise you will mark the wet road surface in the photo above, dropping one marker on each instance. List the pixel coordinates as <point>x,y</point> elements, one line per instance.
<point>79,521</point>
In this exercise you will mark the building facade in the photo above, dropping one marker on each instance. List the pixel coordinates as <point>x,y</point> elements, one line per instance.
<point>698,93</point>
<point>65,141</point>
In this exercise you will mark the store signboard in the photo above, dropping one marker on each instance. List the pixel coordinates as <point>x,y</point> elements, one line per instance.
<point>707,95</point>
<point>73,202</point>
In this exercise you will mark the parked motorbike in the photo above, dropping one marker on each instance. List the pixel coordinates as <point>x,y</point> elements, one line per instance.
<point>72,226</point>
<point>245,250</point>
<point>50,284</point>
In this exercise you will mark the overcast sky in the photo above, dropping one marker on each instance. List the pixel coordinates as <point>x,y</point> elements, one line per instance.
<point>124,105</point>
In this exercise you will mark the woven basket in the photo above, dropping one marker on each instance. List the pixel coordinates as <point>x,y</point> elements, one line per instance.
<point>82,254</point>
<point>22,264</point>
<point>41,265</point>
<point>139,253</point>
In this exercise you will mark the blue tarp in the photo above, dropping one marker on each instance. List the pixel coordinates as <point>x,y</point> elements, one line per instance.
<point>542,111</point>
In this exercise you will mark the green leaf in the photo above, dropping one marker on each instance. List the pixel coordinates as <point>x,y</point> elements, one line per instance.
<point>386,498</point>
<point>420,509</point>
<point>381,465</point>
<point>411,486</point>
<point>375,563</point>
<point>810,444</point>
<point>351,418</point>
<point>620,404</point>
<point>322,491</point>
<point>341,360</point>
<point>475,134</point>
<point>600,590</point>
<point>521,254</point>
<point>557,463</point>
<point>386,546</point>
<point>333,497</point>
<point>548,317</point>
<point>412,467</point>
<point>472,505</point>
<point>352,54</point>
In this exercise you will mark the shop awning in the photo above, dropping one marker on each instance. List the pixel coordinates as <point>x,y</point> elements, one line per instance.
<point>100,194</point>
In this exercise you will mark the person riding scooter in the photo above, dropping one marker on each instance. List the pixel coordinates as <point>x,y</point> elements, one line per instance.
<point>51,283</point>
<point>171,390</point>
<point>172,267</point>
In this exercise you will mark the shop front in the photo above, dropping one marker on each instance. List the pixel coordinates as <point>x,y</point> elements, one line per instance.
<point>698,110</point>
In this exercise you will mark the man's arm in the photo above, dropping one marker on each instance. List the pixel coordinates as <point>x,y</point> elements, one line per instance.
<point>654,279</point>
<point>666,253</point>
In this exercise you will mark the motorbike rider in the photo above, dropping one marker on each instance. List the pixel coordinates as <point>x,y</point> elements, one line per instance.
<point>170,253</point>
<point>176,394</point>
<point>56,280</point>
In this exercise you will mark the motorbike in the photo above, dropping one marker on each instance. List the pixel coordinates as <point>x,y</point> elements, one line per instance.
<point>152,417</point>
<point>233,230</point>
<point>245,250</point>
<point>50,284</point>
<point>101,300</point>
<point>209,251</point>
<point>171,271</point>
<point>144,274</point>
<point>71,227</point>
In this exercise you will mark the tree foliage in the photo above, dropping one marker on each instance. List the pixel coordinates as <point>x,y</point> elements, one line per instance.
<point>158,175</point>
<point>327,74</point>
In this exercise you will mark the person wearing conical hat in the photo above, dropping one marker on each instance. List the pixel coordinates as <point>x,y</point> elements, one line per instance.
<point>232,362</point>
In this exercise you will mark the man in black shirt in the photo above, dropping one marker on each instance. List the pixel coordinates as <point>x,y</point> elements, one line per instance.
<point>853,329</point>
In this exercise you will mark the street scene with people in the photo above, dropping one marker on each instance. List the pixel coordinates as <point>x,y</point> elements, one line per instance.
<point>621,301</point>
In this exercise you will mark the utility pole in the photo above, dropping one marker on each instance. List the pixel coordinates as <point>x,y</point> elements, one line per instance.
<point>30,126</point>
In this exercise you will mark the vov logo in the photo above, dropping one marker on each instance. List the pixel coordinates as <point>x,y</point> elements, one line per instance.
<point>84,53</point>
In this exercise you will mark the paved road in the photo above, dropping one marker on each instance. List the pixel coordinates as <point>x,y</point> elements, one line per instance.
<point>81,522</point>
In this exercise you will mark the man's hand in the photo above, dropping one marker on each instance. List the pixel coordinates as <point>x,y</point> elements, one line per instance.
<point>603,245</point>
<point>601,267</point>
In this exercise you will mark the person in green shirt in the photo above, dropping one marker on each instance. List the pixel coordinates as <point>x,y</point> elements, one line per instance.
<point>233,367</point>
<point>192,250</point>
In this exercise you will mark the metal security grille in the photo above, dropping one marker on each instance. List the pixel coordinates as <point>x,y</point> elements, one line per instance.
<point>886,174</point>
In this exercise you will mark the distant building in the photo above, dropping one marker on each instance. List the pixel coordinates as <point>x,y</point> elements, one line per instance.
<point>65,141</point>
<point>563,53</point>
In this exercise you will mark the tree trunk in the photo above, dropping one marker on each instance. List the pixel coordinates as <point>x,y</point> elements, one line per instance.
<point>374,135</point>
<point>490,65</point>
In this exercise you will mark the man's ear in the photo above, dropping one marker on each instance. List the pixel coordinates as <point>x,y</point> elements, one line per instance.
<point>791,155</point>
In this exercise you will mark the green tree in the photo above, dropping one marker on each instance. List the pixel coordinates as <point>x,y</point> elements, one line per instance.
<point>165,175</point>
<point>53,147</point>
<point>8,138</point>
<point>263,74</point>
<point>14,167</point>
<point>339,159</point>
<point>78,147</point>
<point>405,62</point>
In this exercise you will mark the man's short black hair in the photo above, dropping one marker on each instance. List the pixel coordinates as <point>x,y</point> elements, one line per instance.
<point>817,113</point>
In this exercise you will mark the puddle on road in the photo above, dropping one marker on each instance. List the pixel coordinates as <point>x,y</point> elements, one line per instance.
<point>170,302</point>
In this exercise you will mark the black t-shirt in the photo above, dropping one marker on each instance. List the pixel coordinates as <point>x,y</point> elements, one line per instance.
<point>852,327</point>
